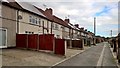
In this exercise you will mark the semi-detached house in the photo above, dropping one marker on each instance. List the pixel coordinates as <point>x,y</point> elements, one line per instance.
<point>31,21</point>
<point>20,18</point>
<point>59,27</point>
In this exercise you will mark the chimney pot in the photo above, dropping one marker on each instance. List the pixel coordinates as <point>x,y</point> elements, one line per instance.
<point>67,20</point>
<point>82,28</point>
<point>77,25</point>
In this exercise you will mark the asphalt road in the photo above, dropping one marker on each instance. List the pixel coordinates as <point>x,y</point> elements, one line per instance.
<point>98,56</point>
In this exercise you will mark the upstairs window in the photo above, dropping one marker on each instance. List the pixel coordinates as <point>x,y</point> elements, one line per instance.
<point>39,22</point>
<point>53,25</point>
<point>33,21</point>
<point>30,18</point>
<point>56,26</point>
<point>58,36</point>
<point>43,23</point>
<point>36,21</point>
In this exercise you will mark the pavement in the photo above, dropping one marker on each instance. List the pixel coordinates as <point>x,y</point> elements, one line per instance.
<point>115,56</point>
<point>98,56</point>
<point>21,57</point>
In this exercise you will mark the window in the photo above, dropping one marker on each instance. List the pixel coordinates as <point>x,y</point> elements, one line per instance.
<point>53,25</point>
<point>36,20</point>
<point>39,22</point>
<point>30,18</point>
<point>42,21</point>
<point>58,36</point>
<point>56,26</point>
<point>33,20</point>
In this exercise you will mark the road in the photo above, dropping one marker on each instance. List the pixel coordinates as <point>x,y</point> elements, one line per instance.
<point>97,56</point>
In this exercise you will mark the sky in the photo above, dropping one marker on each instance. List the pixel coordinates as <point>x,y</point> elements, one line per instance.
<point>82,12</point>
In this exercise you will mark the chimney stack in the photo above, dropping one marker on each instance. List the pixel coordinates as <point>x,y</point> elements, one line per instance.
<point>82,28</point>
<point>85,29</point>
<point>77,25</point>
<point>67,20</point>
<point>49,11</point>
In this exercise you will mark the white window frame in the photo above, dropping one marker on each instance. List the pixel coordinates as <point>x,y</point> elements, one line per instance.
<point>39,22</point>
<point>30,19</point>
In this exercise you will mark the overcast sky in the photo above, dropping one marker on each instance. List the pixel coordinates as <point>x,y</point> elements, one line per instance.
<point>82,12</point>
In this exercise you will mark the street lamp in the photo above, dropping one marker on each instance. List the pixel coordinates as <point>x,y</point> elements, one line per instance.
<point>94,40</point>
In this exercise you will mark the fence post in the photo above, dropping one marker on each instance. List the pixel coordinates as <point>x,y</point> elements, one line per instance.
<point>54,45</point>
<point>38,42</point>
<point>65,47</point>
<point>27,41</point>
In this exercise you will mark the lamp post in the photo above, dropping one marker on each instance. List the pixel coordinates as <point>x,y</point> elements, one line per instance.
<point>94,39</point>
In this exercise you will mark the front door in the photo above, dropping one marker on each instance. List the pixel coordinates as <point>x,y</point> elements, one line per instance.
<point>3,38</point>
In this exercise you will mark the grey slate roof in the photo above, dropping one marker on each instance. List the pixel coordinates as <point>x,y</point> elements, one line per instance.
<point>30,8</point>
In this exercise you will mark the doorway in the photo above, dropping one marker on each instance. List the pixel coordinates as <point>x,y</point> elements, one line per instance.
<point>3,38</point>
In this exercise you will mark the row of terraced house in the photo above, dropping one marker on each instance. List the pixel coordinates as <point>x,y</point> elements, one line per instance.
<point>25,18</point>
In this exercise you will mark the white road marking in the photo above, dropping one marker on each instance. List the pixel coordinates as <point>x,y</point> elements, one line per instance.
<point>99,63</point>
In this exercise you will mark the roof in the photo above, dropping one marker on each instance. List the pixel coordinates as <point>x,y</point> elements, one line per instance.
<point>30,8</point>
<point>59,21</point>
<point>53,18</point>
<point>12,4</point>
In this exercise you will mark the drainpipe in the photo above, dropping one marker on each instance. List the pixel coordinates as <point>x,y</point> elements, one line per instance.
<point>17,22</point>
<point>47,27</point>
<point>51,27</point>
<point>71,38</point>
<point>43,26</point>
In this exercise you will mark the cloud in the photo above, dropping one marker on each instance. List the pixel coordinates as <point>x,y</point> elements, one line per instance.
<point>69,0</point>
<point>83,12</point>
